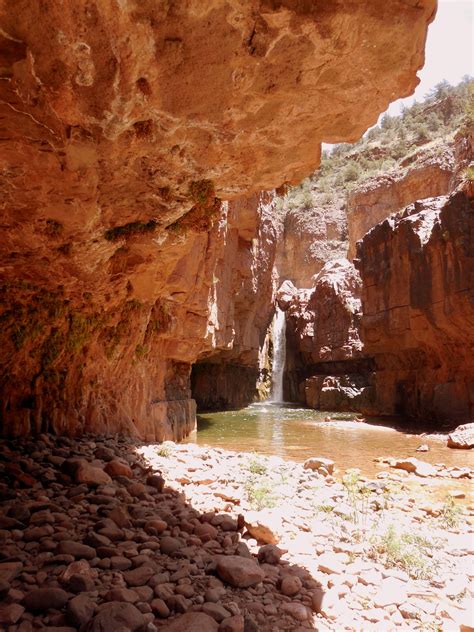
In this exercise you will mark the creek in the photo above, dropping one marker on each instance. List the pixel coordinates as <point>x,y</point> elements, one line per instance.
<point>296,433</point>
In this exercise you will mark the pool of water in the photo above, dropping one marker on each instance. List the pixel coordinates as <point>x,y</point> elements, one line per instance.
<point>299,433</point>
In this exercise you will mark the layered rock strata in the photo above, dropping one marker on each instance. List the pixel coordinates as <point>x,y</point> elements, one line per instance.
<point>424,174</point>
<point>417,303</point>
<point>122,126</point>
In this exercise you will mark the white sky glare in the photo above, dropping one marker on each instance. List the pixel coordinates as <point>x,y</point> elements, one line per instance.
<point>449,49</point>
<point>449,52</point>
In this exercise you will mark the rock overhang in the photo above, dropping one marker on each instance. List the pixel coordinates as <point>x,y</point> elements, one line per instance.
<point>240,93</point>
<point>119,118</point>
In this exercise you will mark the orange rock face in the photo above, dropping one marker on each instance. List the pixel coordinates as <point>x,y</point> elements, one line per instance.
<point>122,125</point>
<point>432,175</point>
<point>311,238</point>
<point>418,320</point>
<point>225,374</point>
<point>326,319</point>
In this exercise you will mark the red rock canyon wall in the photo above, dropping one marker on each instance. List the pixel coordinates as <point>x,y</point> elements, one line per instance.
<point>417,270</point>
<point>123,125</point>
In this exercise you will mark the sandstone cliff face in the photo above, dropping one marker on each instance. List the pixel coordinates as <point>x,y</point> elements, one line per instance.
<point>326,319</point>
<point>121,363</point>
<point>122,125</point>
<point>225,374</point>
<point>311,237</point>
<point>405,349</point>
<point>326,365</point>
<point>427,173</point>
<point>417,302</point>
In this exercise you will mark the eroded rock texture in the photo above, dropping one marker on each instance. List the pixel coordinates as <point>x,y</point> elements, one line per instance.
<point>326,364</point>
<point>122,126</point>
<point>225,374</point>
<point>417,302</point>
<point>310,238</point>
<point>428,173</point>
<point>121,361</point>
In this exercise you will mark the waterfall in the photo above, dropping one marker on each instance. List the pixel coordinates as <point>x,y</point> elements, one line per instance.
<point>279,355</point>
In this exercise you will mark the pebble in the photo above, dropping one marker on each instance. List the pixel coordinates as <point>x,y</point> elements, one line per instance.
<point>193,622</point>
<point>45,598</point>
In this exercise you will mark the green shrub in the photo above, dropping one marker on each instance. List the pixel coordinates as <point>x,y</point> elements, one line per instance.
<point>130,229</point>
<point>164,450</point>
<point>351,172</point>
<point>450,513</point>
<point>411,553</point>
<point>255,466</point>
<point>260,494</point>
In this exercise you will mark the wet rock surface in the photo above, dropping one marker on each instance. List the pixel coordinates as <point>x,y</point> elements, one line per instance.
<point>177,555</point>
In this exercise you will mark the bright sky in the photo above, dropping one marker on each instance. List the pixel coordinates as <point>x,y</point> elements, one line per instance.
<point>449,49</point>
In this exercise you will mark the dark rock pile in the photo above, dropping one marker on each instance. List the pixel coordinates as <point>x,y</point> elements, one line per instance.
<point>93,540</point>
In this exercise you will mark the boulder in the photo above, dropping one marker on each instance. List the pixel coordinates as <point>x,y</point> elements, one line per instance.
<point>233,624</point>
<point>42,599</point>
<point>138,576</point>
<point>291,585</point>
<point>80,610</point>
<point>192,622</point>
<point>318,463</point>
<point>263,525</point>
<point>462,438</point>
<point>239,571</point>
<point>420,468</point>
<point>10,613</point>
<point>116,616</point>
<point>76,549</point>
<point>269,554</point>
<point>118,468</point>
<point>90,475</point>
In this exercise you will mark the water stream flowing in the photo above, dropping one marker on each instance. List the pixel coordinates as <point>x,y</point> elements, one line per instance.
<point>279,355</point>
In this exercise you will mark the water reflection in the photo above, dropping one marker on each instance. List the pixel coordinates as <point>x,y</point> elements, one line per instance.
<point>297,433</point>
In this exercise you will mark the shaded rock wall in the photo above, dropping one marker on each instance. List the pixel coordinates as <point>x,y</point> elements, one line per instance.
<point>417,302</point>
<point>122,125</point>
<point>219,386</point>
<point>225,374</point>
<point>115,362</point>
